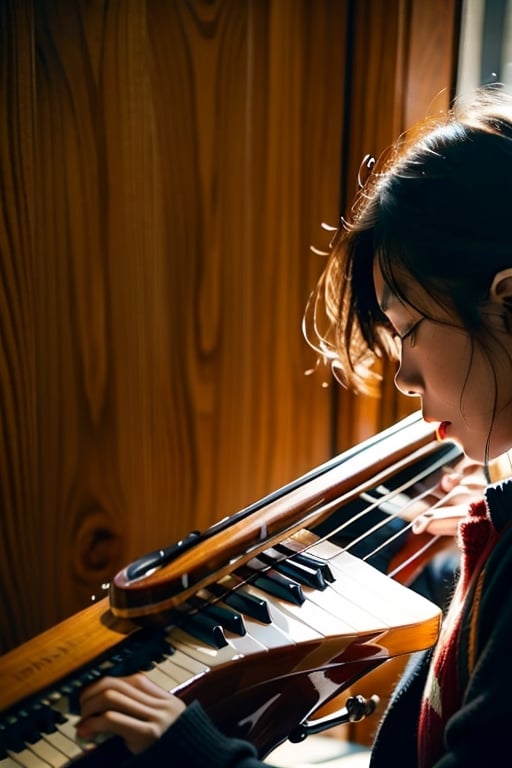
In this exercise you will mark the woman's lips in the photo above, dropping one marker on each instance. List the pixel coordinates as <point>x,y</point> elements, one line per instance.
<point>442,430</point>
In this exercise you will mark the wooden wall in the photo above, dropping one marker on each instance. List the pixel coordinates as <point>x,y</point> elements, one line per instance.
<point>402,66</point>
<point>165,166</point>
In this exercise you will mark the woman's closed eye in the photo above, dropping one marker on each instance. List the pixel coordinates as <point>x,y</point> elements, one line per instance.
<point>410,332</point>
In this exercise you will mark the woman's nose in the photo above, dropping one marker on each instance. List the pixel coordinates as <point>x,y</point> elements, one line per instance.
<point>407,382</point>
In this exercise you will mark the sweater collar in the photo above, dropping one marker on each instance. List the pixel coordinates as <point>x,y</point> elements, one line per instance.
<point>499,502</point>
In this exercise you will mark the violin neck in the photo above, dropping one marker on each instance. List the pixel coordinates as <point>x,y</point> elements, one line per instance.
<point>305,503</point>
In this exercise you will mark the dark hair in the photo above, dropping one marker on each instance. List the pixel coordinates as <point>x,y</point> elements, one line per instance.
<point>437,206</point>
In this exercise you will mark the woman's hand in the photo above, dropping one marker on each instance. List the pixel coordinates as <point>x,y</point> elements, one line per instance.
<point>450,500</point>
<point>134,708</point>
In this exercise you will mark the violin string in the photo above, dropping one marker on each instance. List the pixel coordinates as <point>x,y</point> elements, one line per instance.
<point>414,556</point>
<point>411,502</point>
<point>419,477</point>
<point>390,496</point>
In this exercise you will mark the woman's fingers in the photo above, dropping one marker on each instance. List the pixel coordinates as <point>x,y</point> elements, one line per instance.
<point>137,735</point>
<point>456,490</point>
<point>137,687</point>
<point>443,518</point>
<point>134,708</point>
<point>440,522</point>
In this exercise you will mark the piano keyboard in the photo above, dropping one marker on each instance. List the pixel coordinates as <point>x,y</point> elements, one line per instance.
<point>326,600</point>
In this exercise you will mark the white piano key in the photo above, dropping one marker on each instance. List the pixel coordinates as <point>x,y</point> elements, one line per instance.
<point>313,616</point>
<point>270,635</point>
<point>8,762</point>
<point>178,674</point>
<point>354,591</point>
<point>168,673</point>
<point>245,645</point>
<point>68,728</point>
<point>28,759</point>
<point>159,677</point>
<point>336,603</point>
<point>386,598</point>
<point>212,657</point>
<point>307,621</point>
<point>267,635</point>
<point>188,663</point>
<point>66,745</point>
<point>46,752</point>
<point>290,624</point>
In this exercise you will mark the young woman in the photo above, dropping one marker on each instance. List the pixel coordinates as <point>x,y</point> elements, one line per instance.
<point>421,272</point>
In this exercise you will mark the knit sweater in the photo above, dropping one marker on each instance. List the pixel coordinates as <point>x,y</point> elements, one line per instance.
<point>465,709</point>
<point>460,701</point>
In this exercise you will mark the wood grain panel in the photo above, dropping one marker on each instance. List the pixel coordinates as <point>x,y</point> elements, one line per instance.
<point>81,286</point>
<point>20,551</point>
<point>373,115</point>
<point>167,166</point>
<point>402,67</point>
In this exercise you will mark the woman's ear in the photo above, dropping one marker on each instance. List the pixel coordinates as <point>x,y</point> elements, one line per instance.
<point>500,292</point>
<point>501,287</point>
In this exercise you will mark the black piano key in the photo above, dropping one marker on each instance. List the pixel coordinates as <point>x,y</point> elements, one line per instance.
<point>127,663</point>
<point>270,581</point>
<point>12,735</point>
<point>230,620</point>
<point>71,690</point>
<point>315,562</point>
<point>120,665</point>
<point>250,605</point>
<point>206,629</point>
<point>53,699</point>
<point>45,718</point>
<point>27,727</point>
<point>310,560</point>
<point>304,574</point>
<point>310,577</point>
<point>90,676</point>
<point>280,586</point>
<point>274,583</point>
<point>152,652</point>
<point>138,655</point>
<point>4,745</point>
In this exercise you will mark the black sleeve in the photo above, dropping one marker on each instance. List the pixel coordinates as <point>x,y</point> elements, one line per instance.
<point>478,733</point>
<point>396,743</point>
<point>193,741</point>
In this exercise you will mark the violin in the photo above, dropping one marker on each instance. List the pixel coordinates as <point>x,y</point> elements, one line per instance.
<point>264,617</point>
